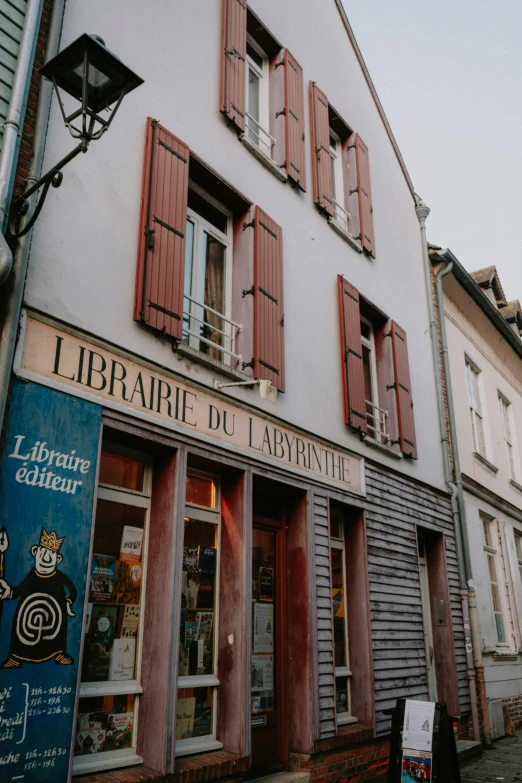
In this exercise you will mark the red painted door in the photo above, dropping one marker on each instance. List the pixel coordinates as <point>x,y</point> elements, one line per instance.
<point>268,682</point>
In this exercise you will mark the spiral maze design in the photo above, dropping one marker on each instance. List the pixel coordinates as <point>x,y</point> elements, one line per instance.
<point>39,618</point>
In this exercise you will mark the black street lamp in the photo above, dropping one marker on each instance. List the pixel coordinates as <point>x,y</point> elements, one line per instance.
<point>93,75</point>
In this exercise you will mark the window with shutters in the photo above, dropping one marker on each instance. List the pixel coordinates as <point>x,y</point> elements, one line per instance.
<point>341,174</point>
<point>475,408</point>
<point>375,370</point>
<point>508,430</point>
<point>210,265</point>
<point>498,581</point>
<point>262,92</point>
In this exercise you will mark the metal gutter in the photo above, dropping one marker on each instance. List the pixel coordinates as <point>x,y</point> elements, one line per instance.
<point>14,123</point>
<point>10,325</point>
<point>474,624</point>
<point>466,598</point>
<point>375,97</point>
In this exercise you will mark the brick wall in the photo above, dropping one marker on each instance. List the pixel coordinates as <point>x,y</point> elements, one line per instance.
<point>26,142</point>
<point>366,762</point>
<point>514,707</point>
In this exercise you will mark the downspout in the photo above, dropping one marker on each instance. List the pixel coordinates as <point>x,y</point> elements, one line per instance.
<point>446,256</point>
<point>422,213</point>
<point>15,118</point>
<point>10,324</point>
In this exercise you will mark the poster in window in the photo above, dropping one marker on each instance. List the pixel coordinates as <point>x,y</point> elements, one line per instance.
<point>207,559</point>
<point>263,628</point>
<point>127,582</point>
<point>131,543</point>
<point>338,601</point>
<point>119,731</point>
<point>185,717</point>
<point>262,672</point>
<point>266,584</point>
<point>190,559</point>
<point>92,731</point>
<point>129,622</point>
<point>103,571</point>
<point>98,647</point>
<point>122,659</point>
<point>190,589</point>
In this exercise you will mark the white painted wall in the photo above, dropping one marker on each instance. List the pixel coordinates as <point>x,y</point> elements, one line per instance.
<point>82,266</point>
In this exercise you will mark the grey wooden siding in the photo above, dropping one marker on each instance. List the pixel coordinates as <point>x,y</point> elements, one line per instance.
<point>323,598</point>
<point>395,505</point>
<point>12,15</point>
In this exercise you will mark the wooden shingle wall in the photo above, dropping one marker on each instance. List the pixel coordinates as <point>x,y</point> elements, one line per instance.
<point>395,505</point>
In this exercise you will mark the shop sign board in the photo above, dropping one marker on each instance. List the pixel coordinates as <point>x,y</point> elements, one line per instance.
<point>68,362</point>
<point>47,481</point>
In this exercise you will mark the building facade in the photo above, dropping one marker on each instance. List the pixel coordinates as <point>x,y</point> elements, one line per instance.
<point>485,352</point>
<point>215,355</point>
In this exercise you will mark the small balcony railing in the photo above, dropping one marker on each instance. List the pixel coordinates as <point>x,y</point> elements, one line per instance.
<point>198,330</point>
<point>376,422</point>
<point>263,139</point>
<point>340,215</point>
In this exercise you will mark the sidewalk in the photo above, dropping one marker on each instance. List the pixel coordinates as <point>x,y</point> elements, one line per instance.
<point>503,763</point>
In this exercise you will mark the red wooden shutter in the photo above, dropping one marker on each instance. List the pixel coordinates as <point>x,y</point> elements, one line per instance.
<point>401,368</point>
<point>161,252</point>
<point>320,133</point>
<point>365,195</point>
<point>233,61</point>
<point>351,356</point>
<point>294,114</point>
<point>269,347</point>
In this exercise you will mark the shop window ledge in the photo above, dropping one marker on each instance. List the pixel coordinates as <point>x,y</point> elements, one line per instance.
<point>127,775</point>
<point>351,734</point>
<point>216,765</point>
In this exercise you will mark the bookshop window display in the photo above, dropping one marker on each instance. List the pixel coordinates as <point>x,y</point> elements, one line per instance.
<point>110,675</point>
<point>343,673</point>
<point>197,674</point>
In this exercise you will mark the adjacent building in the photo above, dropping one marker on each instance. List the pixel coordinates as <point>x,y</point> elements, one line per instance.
<point>219,353</point>
<point>484,350</point>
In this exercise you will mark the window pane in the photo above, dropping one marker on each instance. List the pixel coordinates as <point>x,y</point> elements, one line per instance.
<point>113,615</point>
<point>194,712</point>
<point>499,624</point>
<point>120,471</point>
<point>335,523</point>
<point>253,105</point>
<point>338,604</point>
<point>104,723</point>
<point>196,647</point>
<point>187,290</point>
<point>367,369</point>
<point>254,55</point>
<point>200,491</point>
<point>341,695</point>
<point>213,296</point>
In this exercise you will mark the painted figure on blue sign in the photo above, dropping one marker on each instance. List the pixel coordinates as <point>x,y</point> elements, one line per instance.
<point>39,630</point>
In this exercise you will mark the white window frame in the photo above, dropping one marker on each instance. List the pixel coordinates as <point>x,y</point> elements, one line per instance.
<point>475,408</point>
<point>340,214</point>
<point>258,128</point>
<point>195,309</point>
<point>378,430</point>
<point>193,745</point>
<point>508,430</point>
<point>496,550</point>
<point>114,759</point>
<point>344,672</point>
<point>518,550</point>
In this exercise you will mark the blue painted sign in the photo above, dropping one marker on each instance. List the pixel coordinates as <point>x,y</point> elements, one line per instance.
<point>47,482</point>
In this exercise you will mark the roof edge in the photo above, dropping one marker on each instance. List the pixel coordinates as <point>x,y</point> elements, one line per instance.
<point>476,293</point>
<point>375,97</point>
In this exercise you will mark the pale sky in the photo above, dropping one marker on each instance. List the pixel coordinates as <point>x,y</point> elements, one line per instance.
<point>449,76</point>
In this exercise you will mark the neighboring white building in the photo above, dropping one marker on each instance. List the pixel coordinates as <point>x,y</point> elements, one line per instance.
<point>485,355</point>
<point>248,217</point>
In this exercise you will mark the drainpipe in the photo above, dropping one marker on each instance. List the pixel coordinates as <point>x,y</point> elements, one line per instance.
<point>11,320</point>
<point>15,118</point>
<point>447,256</point>
<point>423,211</point>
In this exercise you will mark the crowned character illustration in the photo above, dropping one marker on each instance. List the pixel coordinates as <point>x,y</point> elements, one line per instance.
<point>46,595</point>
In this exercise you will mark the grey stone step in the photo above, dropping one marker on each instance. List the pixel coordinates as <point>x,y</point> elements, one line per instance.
<point>467,750</point>
<point>285,777</point>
